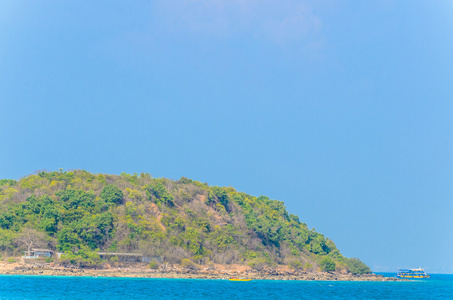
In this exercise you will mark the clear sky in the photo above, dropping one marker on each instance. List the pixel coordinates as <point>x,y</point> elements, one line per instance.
<point>341,109</point>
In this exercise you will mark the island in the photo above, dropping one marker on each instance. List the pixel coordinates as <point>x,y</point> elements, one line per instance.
<point>133,225</point>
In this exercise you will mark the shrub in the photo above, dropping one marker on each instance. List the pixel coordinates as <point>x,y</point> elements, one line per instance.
<point>83,258</point>
<point>258,264</point>
<point>49,259</point>
<point>295,264</point>
<point>220,208</point>
<point>188,264</point>
<point>308,266</point>
<point>11,260</point>
<point>153,265</point>
<point>114,258</point>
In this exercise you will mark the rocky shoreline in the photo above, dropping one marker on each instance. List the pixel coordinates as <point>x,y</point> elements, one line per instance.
<point>181,273</point>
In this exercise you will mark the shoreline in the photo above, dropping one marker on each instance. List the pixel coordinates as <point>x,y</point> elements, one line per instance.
<point>142,272</point>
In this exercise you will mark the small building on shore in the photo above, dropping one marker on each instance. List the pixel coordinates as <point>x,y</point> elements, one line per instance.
<point>37,253</point>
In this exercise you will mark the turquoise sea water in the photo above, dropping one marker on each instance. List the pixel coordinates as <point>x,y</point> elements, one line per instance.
<point>52,287</point>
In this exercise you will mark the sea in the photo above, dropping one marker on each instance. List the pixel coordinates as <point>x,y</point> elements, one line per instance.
<point>439,286</point>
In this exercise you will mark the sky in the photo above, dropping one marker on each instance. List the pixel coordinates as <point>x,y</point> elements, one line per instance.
<point>341,109</point>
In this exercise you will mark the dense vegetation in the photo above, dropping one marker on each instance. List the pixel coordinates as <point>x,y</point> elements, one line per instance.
<point>79,213</point>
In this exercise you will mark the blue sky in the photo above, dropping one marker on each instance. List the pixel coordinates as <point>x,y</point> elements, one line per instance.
<point>341,109</point>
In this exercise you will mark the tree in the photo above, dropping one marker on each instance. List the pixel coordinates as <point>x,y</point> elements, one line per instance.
<point>112,194</point>
<point>31,238</point>
<point>327,264</point>
<point>160,193</point>
<point>6,240</point>
<point>356,266</point>
<point>72,199</point>
<point>222,195</point>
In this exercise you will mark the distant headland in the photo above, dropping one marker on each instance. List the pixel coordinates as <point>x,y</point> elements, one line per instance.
<point>134,225</point>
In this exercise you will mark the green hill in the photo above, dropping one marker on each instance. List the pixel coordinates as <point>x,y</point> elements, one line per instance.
<point>80,213</point>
